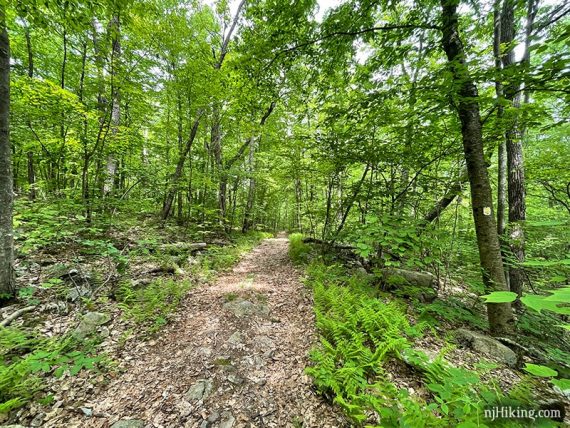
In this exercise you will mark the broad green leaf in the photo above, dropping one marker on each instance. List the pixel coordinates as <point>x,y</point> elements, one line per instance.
<point>500,297</point>
<point>540,371</point>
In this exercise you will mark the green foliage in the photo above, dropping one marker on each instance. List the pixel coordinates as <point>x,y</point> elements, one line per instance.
<point>25,359</point>
<point>387,238</point>
<point>152,305</point>
<point>362,337</point>
<point>540,371</point>
<point>221,258</point>
<point>452,310</point>
<point>298,251</point>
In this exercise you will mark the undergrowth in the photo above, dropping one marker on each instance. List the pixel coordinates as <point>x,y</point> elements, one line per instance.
<point>27,358</point>
<point>367,350</point>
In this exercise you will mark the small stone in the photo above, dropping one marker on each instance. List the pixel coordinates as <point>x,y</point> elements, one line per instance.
<point>214,416</point>
<point>236,380</point>
<point>128,423</point>
<point>87,411</point>
<point>199,391</point>
<point>38,420</point>
<point>243,308</point>
<point>227,420</point>
<point>235,338</point>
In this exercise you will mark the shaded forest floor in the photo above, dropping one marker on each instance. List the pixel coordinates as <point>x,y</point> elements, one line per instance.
<point>235,356</point>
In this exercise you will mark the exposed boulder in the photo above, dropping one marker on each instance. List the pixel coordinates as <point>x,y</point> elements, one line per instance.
<point>487,345</point>
<point>90,323</point>
<point>243,308</point>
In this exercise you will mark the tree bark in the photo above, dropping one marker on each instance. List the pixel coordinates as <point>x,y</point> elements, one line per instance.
<point>499,314</point>
<point>7,284</point>
<point>216,136</point>
<point>173,188</point>
<point>247,221</point>
<point>30,154</point>
<point>112,164</point>
<point>514,150</point>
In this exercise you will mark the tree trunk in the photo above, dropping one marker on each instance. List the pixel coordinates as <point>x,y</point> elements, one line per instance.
<point>247,222</point>
<point>247,219</point>
<point>499,314</point>
<point>7,285</point>
<point>115,30</point>
<point>514,150</point>
<point>30,154</point>
<point>173,187</point>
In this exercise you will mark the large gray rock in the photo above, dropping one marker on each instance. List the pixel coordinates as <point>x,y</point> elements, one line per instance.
<point>243,308</point>
<point>487,345</point>
<point>128,423</point>
<point>89,324</point>
<point>199,391</point>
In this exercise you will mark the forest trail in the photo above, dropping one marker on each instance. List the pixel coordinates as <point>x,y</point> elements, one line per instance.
<point>234,357</point>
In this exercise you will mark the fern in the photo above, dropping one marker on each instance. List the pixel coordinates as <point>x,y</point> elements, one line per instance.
<point>359,335</point>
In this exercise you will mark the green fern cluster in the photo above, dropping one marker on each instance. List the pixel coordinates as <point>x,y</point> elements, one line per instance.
<point>363,337</point>
<point>152,305</point>
<point>26,359</point>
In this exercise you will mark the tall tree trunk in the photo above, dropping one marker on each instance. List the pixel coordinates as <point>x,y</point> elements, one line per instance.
<point>499,314</point>
<point>216,137</point>
<point>112,163</point>
<point>247,222</point>
<point>247,218</point>
<point>174,182</point>
<point>513,141</point>
<point>7,285</point>
<point>30,154</point>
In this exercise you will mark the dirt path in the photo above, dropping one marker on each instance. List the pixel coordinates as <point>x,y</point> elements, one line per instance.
<point>234,358</point>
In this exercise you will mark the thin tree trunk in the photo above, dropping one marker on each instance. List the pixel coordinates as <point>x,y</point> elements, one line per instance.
<point>112,165</point>
<point>30,154</point>
<point>173,187</point>
<point>247,222</point>
<point>7,285</point>
<point>499,314</point>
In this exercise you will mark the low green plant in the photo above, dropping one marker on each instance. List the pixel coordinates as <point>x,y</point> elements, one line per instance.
<point>298,251</point>
<point>25,360</point>
<point>363,337</point>
<point>152,305</point>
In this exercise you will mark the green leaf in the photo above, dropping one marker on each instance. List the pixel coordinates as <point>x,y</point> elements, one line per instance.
<point>540,371</point>
<point>563,384</point>
<point>500,297</point>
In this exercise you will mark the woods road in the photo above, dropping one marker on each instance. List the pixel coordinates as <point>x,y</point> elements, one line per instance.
<point>234,357</point>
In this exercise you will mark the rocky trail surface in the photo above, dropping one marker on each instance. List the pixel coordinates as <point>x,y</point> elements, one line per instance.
<point>235,357</point>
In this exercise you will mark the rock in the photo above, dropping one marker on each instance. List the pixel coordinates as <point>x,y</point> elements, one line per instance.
<point>214,416</point>
<point>235,379</point>
<point>12,426</point>
<point>199,391</point>
<point>87,411</point>
<point>487,345</point>
<point>90,323</point>
<point>104,332</point>
<point>242,308</point>
<point>128,423</point>
<point>227,420</point>
<point>77,292</point>
<point>38,420</point>
<point>235,338</point>
<point>265,345</point>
